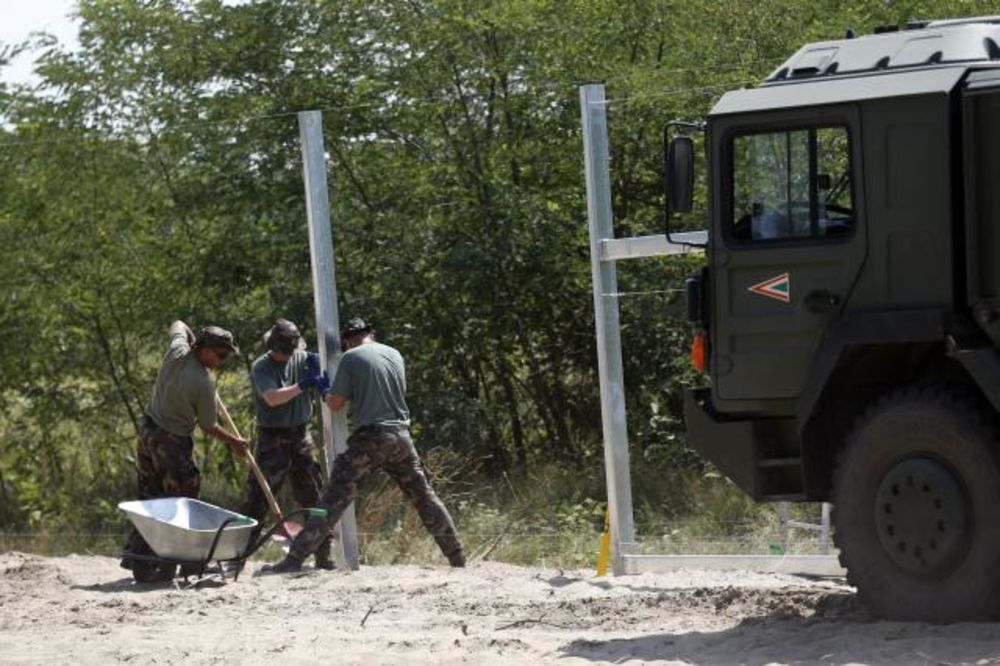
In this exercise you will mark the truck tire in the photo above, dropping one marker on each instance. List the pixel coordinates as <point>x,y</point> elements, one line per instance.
<point>917,507</point>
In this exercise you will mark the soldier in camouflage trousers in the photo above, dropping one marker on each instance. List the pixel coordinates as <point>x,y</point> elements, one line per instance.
<point>183,397</point>
<point>166,468</point>
<point>283,453</point>
<point>372,377</point>
<point>390,449</point>
<point>284,385</point>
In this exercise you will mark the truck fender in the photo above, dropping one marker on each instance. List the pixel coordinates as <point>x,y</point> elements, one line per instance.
<point>865,328</point>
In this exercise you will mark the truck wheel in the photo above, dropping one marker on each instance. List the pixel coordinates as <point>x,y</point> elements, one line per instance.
<point>917,507</point>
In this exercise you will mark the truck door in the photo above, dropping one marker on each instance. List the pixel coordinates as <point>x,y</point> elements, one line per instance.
<point>981,124</point>
<point>788,246</point>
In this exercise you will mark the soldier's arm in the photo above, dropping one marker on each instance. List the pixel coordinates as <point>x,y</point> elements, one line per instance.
<point>335,401</point>
<point>207,406</point>
<point>180,327</point>
<point>279,396</point>
<point>237,443</point>
<point>340,390</point>
<point>274,395</point>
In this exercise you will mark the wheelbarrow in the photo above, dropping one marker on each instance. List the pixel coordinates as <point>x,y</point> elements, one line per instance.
<point>191,533</point>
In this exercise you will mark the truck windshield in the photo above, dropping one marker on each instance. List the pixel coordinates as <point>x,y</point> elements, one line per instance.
<point>792,185</point>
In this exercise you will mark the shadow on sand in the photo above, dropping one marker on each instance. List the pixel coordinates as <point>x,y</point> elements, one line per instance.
<point>128,585</point>
<point>842,635</point>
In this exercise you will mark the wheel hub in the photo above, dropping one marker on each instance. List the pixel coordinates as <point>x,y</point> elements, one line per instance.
<point>922,516</point>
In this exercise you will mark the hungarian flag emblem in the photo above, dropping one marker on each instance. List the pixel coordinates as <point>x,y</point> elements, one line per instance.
<point>779,287</point>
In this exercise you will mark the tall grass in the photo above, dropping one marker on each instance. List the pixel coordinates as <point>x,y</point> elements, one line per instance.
<point>554,517</point>
<point>551,516</point>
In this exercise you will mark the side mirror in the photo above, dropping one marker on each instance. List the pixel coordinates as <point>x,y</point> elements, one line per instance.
<point>679,163</point>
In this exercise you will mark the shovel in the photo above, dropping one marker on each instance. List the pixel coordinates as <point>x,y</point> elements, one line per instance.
<point>289,529</point>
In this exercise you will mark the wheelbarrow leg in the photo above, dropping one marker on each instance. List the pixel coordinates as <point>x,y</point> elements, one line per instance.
<point>211,551</point>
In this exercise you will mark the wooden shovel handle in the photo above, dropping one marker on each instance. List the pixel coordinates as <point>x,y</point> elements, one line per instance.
<point>251,462</point>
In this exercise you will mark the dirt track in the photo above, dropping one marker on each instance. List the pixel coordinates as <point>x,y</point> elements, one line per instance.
<point>85,610</point>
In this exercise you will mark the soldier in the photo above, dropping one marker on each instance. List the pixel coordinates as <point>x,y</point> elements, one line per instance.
<point>183,396</point>
<point>284,384</point>
<point>372,377</point>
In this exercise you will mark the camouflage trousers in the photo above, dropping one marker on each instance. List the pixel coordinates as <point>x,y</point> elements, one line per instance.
<point>166,468</point>
<point>389,449</point>
<point>284,453</point>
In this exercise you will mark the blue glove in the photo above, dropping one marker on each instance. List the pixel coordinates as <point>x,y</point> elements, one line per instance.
<point>310,380</point>
<point>312,363</point>
<point>323,385</point>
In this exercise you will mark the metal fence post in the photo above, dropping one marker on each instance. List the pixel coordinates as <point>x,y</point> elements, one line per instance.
<point>609,354</point>
<point>824,534</point>
<point>783,525</point>
<point>605,251</point>
<point>325,298</point>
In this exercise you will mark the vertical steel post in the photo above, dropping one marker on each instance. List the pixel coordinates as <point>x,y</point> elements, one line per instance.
<point>783,526</point>
<point>824,534</point>
<point>609,353</point>
<point>325,298</point>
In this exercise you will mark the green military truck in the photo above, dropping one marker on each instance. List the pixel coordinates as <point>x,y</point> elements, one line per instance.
<point>849,310</point>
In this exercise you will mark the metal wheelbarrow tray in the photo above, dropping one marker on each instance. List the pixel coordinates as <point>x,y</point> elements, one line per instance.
<point>189,530</point>
<point>186,531</point>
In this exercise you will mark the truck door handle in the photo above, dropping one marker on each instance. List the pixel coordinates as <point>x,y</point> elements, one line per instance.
<point>822,302</point>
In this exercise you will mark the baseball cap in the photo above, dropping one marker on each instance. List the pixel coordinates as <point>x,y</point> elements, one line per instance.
<point>355,326</point>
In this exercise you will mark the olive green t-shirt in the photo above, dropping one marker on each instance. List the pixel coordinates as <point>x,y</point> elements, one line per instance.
<point>373,377</point>
<point>267,374</point>
<point>183,394</point>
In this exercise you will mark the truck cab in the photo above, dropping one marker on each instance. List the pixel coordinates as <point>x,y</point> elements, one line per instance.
<point>850,305</point>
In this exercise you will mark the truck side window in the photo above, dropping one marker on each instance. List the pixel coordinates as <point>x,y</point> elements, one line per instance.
<point>792,185</point>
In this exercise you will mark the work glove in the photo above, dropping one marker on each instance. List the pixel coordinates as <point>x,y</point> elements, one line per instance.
<point>312,363</point>
<point>310,380</point>
<point>323,385</point>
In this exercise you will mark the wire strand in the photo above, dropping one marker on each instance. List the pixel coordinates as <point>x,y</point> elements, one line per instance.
<point>545,86</point>
<point>620,294</point>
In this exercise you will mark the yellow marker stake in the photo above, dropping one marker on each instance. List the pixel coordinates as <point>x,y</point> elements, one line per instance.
<point>604,552</point>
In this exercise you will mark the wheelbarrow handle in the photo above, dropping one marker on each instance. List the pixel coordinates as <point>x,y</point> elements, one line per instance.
<point>251,462</point>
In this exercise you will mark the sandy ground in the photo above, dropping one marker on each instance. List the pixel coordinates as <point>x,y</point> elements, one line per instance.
<point>84,610</point>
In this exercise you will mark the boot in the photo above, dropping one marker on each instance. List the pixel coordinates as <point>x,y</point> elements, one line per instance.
<point>287,565</point>
<point>325,564</point>
<point>322,556</point>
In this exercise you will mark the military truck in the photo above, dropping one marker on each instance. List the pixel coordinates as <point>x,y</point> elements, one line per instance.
<point>848,316</point>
